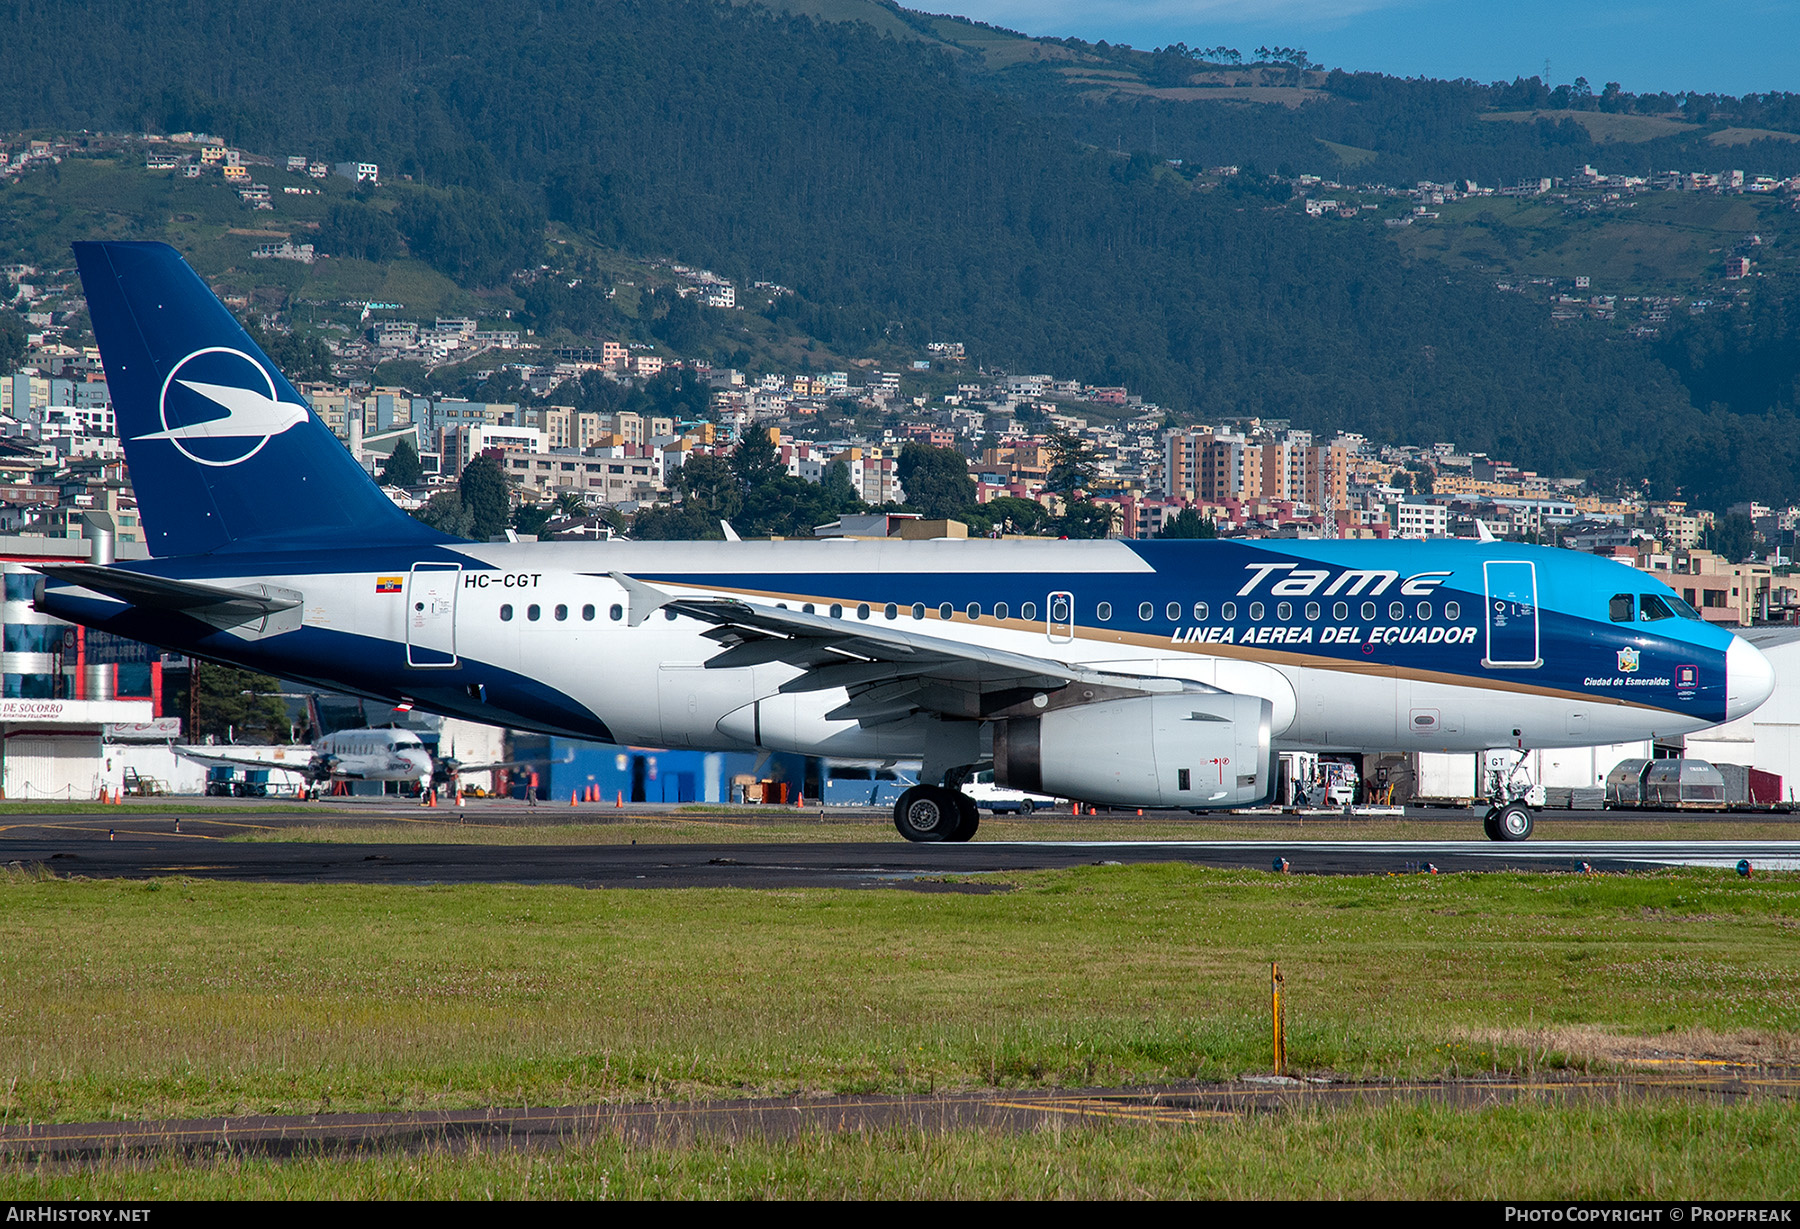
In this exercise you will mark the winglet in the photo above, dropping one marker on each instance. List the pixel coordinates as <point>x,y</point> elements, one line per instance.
<point>1482,532</point>
<point>731,534</point>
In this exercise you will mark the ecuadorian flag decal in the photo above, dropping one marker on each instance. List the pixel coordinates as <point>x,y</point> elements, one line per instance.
<point>390,584</point>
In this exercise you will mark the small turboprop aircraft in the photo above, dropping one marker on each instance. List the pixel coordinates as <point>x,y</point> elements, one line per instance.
<point>377,753</point>
<point>1138,674</point>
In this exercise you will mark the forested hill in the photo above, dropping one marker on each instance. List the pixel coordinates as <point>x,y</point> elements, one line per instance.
<point>912,183</point>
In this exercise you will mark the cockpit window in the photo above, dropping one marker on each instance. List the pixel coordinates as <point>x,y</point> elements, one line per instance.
<point>1651,608</point>
<point>1622,608</point>
<point>1682,608</point>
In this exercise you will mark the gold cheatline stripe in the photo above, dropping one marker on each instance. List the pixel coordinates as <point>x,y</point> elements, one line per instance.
<point>1308,661</point>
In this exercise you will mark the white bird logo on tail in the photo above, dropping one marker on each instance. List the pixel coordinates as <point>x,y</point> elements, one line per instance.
<point>250,413</point>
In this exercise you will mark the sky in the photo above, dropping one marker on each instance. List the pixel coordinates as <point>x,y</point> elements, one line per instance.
<point>1748,46</point>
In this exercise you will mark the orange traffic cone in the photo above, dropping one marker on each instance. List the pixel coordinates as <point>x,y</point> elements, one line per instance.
<point>800,799</point>
<point>119,797</point>
<point>571,797</point>
<point>430,797</point>
<point>620,804</point>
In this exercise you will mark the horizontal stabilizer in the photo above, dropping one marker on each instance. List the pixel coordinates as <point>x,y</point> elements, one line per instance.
<point>268,607</point>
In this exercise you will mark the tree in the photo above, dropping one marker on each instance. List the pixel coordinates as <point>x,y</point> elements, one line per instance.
<point>445,511</point>
<point>1083,518</point>
<point>1009,514</point>
<point>486,497</point>
<point>229,707</point>
<point>1188,524</point>
<point>936,480</point>
<point>1733,536</point>
<point>755,460</point>
<point>13,332</point>
<point>403,468</point>
<point>1073,466</point>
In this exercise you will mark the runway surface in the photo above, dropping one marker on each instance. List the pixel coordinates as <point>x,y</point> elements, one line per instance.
<point>1011,1111</point>
<point>128,844</point>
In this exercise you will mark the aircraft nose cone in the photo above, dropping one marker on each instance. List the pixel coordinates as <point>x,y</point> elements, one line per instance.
<point>1749,679</point>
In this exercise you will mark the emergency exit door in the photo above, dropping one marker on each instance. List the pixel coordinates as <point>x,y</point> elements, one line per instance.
<point>1512,616</point>
<point>431,614</point>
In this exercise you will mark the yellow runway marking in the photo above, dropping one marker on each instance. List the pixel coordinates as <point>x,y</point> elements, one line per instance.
<point>1108,1109</point>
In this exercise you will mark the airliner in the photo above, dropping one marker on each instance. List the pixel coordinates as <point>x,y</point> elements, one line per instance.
<point>1153,674</point>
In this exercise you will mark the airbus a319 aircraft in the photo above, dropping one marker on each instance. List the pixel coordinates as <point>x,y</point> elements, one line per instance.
<point>1156,674</point>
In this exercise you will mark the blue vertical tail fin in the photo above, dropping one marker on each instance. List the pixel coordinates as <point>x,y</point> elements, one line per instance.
<point>224,453</point>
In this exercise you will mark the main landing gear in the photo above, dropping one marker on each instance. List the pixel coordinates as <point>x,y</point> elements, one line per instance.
<point>1510,822</point>
<point>935,813</point>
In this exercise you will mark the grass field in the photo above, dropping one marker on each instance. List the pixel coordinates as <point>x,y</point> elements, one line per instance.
<point>182,998</point>
<point>1663,242</point>
<point>1664,1151</point>
<point>185,998</point>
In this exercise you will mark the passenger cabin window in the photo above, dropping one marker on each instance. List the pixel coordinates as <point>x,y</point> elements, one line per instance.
<point>973,610</point>
<point>615,612</point>
<point>1201,612</point>
<point>587,612</point>
<point>562,613</point>
<point>1000,610</point>
<point>1621,608</point>
<point>1340,611</point>
<point>533,611</point>
<point>1228,610</point>
<point>1368,610</point>
<point>1396,610</point>
<point>1312,610</point>
<point>1146,611</point>
<point>1103,611</point>
<point>1452,611</point>
<point>918,610</point>
<point>1284,611</point>
<point>946,611</point>
<point>1028,611</point>
<point>1651,608</point>
<point>506,613</point>
<point>890,611</point>
<point>1256,611</point>
<point>862,610</point>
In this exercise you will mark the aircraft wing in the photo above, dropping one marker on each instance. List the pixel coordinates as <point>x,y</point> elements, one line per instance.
<point>270,607</point>
<point>892,673</point>
<point>290,759</point>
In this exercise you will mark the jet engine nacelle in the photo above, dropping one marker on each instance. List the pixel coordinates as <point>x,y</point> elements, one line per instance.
<point>1194,750</point>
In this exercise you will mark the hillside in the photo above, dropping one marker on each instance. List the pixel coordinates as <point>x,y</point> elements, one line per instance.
<point>919,179</point>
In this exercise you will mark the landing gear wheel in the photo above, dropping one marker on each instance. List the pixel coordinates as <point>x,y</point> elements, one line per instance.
<point>1514,822</point>
<point>968,818</point>
<point>1488,826</point>
<point>928,813</point>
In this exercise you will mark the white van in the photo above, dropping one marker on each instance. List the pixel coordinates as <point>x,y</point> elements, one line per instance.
<point>1000,799</point>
